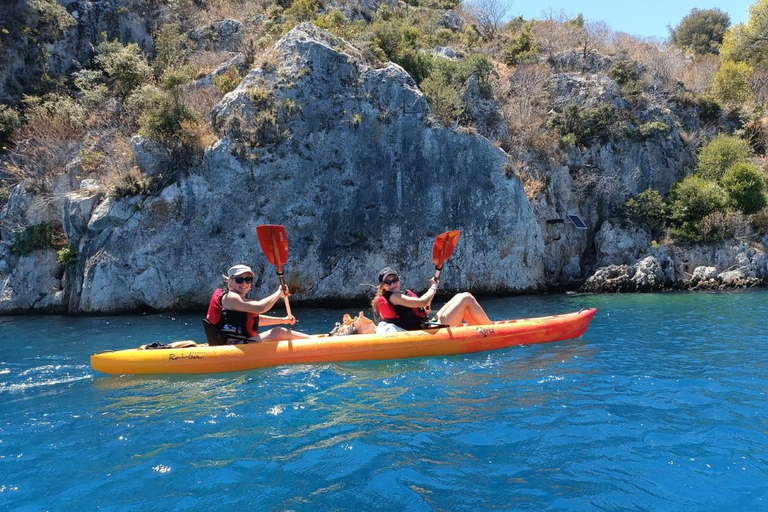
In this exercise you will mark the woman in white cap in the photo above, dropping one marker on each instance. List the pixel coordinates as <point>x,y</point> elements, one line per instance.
<point>404,310</point>
<point>238,318</point>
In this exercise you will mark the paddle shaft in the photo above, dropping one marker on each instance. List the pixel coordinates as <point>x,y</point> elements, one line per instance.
<point>283,287</point>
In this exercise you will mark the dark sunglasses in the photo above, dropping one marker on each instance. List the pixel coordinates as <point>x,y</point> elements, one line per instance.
<point>392,281</point>
<point>241,280</point>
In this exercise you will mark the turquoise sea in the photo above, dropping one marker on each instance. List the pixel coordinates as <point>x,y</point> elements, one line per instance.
<point>660,406</point>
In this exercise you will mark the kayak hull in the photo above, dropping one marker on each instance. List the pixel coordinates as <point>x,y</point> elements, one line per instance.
<point>444,341</point>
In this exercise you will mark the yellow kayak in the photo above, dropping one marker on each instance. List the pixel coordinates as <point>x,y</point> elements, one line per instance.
<point>190,357</point>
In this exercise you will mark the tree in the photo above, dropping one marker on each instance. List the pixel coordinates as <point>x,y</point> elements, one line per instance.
<point>701,31</point>
<point>489,15</point>
<point>748,42</point>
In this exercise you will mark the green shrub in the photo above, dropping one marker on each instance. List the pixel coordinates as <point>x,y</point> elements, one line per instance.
<point>386,38</point>
<point>626,72</point>
<point>520,49</point>
<point>52,106</point>
<point>695,197</point>
<point>709,109</point>
<point>746,187</point>
<point>53,19</point>
<point>443,96</point>
<point>172,48</point>
<point>399,43</point>
<point>5,194</point>
<point>227,81</point>
<point>334,20</point>
<point>418,64</point>
<point>92,87</point>
<point>719,154</point>
<point>587,124</point>
<point>651,129</point>
<point>9,122</point>
<point>731,82</point>
<point>646,208</point>
<point>477,65</point>
<point>68,256</point>
<point>33,238</point>
<point>125,66</point>
<point>162,120</point>
<point>302,10</point>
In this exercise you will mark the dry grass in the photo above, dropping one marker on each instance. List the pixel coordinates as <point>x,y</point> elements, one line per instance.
<point>721,226</point>
<point>760,221</point>
<point>524,100</point>
<point>698,74</point>
<point>534,181</point>
<point>207,61</point>
<point>217,10</point>
<point>42,149</point>
<point>201,99</point>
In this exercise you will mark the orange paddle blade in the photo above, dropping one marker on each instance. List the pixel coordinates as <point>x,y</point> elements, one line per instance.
<point>445,243</point>
<point>274,242</point>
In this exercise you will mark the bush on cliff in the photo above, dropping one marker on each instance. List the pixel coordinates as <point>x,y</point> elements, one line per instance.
<point>721,153</point>
<point>690,201</point>
<point>746,187</point>
<point>647,208</point>
<point>125,66</point>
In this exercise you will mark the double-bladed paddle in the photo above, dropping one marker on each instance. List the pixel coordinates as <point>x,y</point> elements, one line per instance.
<point>445,243</point>
<point>274,243</point>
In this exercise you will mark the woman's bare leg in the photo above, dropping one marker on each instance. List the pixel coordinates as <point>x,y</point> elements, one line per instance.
<point>281,333</point>
<point>462,307</point>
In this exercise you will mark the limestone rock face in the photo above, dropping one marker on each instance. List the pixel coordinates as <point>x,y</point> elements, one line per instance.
<point>346,157</point>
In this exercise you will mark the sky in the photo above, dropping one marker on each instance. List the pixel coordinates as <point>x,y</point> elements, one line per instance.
<point>649,18</point>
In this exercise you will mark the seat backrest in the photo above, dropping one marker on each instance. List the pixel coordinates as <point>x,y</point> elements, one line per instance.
<point>213,335</point>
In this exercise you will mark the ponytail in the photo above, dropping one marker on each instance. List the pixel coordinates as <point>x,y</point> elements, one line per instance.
<point>375,302</point>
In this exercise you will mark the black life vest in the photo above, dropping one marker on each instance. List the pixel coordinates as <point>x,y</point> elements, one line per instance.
<point>409,319</point>
<point>229,321</point>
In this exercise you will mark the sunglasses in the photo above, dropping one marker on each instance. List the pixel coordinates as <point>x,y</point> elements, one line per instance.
<point>392,281</point>
<point>241,280</point>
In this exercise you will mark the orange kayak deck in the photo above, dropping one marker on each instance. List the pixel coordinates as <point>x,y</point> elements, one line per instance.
<point>444,341</point>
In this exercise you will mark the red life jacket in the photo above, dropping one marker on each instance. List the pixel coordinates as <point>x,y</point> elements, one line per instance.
<point>239,323</point>
<point>409,319</point>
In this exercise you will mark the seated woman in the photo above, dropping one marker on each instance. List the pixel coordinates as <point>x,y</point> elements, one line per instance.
<point>404,310</point>
<point>238,318</point>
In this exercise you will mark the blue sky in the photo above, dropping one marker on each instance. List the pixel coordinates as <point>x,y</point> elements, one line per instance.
<point>648,18</point>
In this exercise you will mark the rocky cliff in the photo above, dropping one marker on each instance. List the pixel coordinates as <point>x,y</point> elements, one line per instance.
<point>343,154</point>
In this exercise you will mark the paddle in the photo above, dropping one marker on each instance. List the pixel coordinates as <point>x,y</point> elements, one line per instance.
<point>445,243</point>
<point>274,243</point>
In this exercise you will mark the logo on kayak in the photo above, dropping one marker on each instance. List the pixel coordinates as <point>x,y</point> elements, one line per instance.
<point>485,332</point>
<point>191,355</point>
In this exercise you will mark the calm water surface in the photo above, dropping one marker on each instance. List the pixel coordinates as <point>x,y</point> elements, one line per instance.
<point>660,406</point>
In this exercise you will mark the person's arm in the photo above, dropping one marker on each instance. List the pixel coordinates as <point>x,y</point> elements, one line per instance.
<point>235,302</point>
<point>424,301</point>
<point>274,320</point>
